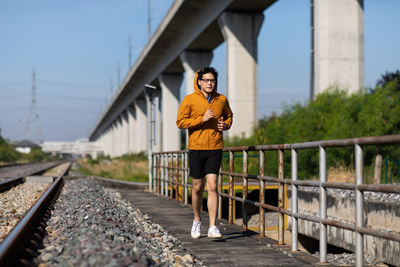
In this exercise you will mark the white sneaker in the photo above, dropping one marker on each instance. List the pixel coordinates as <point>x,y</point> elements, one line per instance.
<point>213,232</point>
<point>196,233</point>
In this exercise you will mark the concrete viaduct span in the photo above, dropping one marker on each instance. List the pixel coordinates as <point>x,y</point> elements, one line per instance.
<point>185,41</point>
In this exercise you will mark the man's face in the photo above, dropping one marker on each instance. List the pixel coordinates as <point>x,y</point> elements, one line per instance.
<point>207,84</point>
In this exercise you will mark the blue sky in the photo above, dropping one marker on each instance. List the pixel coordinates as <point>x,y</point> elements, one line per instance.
<point>77,47</point>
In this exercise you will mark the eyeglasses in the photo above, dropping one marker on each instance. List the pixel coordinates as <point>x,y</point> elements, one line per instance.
<point>208,80</point>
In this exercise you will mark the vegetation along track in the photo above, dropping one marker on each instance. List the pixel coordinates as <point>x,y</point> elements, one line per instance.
<point>16,244</point>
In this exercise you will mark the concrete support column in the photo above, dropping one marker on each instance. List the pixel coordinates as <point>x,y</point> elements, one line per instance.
<point>119,136</point>
<point>170,85</point>
<point>193,61</point>
<point>108,141</point>
<point>113,141</point>
<point>338,41</point>
<point>240,31</point>
<point>141,128</point>
<point>125,133</point>
<point>131,129</point>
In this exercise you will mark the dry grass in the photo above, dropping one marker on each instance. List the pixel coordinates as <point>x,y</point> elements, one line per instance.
<point>341,174</point>
<point>116,168</point>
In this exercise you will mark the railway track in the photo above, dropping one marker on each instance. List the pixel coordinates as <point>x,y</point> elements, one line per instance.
<point>19,243</point>
<point>15,171</point>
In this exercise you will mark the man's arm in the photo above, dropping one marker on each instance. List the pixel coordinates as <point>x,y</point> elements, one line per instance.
<point>228,115</point>
<point>184,120</point>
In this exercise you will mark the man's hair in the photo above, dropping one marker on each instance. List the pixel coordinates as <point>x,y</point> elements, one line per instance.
<point>206,70</point>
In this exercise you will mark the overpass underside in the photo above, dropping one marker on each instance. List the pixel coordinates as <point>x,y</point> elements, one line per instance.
<point>185,41</point>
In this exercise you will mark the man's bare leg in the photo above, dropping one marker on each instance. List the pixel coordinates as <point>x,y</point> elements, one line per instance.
<point>197,197</point>
<point>212,199</point>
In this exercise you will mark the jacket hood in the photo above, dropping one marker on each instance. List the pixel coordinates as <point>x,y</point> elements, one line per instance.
<point>196,85</point>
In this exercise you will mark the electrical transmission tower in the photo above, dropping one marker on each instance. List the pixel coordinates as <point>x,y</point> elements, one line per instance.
<point>33,130</point>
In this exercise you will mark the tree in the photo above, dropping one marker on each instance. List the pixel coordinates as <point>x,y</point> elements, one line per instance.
<point>389,77</point>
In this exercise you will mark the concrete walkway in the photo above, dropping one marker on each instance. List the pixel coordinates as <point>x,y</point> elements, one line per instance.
<point>237,248</point>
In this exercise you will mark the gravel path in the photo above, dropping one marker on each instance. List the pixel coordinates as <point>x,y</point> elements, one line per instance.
<point>93,226</point>
<point>15,202</point>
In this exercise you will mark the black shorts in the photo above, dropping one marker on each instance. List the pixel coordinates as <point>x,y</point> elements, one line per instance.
<point>202,162</point>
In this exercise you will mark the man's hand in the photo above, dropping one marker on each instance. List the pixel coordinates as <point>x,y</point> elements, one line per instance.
<point>208,115</point>
<point>221,124</point>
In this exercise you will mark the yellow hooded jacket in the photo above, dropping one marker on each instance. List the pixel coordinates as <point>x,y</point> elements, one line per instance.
<point>203,135</point>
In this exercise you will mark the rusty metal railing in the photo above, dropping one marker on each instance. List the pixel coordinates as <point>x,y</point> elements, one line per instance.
<point>170,171</point>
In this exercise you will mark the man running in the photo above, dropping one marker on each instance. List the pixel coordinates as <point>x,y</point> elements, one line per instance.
<point>206,114</point>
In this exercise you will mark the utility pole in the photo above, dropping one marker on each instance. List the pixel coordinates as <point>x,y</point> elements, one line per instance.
<point>111,88</point>
<point>129,53</point>
<point>148,19</point>
<point>118,75</point>
<point>33,130</point>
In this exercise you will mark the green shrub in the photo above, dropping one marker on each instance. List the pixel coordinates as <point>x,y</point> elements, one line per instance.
<point>332,115</point>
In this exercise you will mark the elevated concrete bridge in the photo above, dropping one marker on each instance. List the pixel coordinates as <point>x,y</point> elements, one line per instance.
<point>185,41</point>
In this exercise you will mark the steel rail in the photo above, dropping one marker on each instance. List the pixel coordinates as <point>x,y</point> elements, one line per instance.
<point>14,243</point>
<point>6,185</point>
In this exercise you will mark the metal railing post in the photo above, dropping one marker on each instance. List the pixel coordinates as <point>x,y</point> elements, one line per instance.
<point>359,164</point>
<point>294,202</point>
<point>220,188</point>
<point>157,176</point>
<point>262,193</point>
<point>159,158</point>
<point>162,174</point>
<point>167,175</point>
<point>172,176</point>
<point>322,205</point>
<point>182,176</point>
<point>231,185</point>
<point>245,189</point>
<point>176,166</point>
<point>281,217</point>
<point>186,177</point>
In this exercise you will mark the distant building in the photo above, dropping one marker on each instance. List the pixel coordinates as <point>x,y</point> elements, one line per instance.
<point>78,148</point>
<point>25,146</point>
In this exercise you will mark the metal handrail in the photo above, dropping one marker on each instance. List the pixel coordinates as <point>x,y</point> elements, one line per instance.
<point>166,172</point>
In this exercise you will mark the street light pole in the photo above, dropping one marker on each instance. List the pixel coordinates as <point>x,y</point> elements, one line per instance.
<point>150,91</point>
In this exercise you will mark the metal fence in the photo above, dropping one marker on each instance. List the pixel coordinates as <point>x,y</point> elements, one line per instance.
<point>170,178</point>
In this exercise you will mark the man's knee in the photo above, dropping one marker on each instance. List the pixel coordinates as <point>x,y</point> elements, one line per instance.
<point>212,187</point>
<point>197,186</point>
<point>212,183</point>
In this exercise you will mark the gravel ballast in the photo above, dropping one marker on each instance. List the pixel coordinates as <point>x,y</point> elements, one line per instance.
<point>93,226</point>
<point>15,202</point>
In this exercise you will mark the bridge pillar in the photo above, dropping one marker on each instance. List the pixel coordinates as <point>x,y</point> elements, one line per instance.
<point>193,61</point>
<point>170,86</point>
<point>141,122</point>
<point>131,129</point>
<point>240,31</point>
<point>125,132</point>
<point>108,145</point>
<point>113,139</point>
<point>338,41</point>
<point>120,135</point>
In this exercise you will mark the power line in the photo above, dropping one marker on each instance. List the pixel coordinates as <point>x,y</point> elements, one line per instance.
<point>68,110</point>
<point>73,97</point>
<point>14,83</point>
<point>61,97</point>
<point>68,84</point>
<point>13,96</point>
<point>48,108</point>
